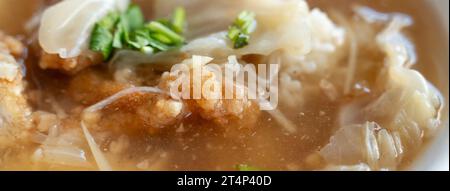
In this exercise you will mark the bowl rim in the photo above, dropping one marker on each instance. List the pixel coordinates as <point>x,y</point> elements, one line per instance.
<point>435,155</point>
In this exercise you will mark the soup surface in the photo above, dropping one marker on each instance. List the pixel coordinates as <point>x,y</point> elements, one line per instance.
<point>377,104</point>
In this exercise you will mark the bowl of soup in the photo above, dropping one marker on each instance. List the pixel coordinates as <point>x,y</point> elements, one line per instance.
<point>293,85</point>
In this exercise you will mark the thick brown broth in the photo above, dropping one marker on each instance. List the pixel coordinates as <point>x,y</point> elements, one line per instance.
<point>203,145</point>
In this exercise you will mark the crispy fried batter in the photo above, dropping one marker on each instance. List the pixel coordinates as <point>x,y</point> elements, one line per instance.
<point>69,65</point>
<point>14,109</point>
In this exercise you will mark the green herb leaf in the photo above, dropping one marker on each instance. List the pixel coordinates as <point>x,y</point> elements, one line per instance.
<point>159,45</point>
<point>241,41</point>
<point>120,35</point>
<point>233,33</point>
<point>243,26</point>
<point>159,28</point>
<point>109,22</point>
<point>139,39</point>
<point>166,22</point>
<point>128,30</point>
<point>134,17</point>
<point>101,41</point>
<point>162,38</point>
<point>244,167</point>
<point>179,20</point>
<point>147,50</point>
<point>102,36</point>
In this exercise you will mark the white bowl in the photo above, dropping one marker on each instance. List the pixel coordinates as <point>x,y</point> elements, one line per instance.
<point>436,156</point>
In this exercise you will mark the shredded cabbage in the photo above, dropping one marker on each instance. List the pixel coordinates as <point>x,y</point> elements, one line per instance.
<point>406,111</point>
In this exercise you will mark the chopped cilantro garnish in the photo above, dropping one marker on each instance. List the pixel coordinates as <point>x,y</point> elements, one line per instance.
<point>128,30</point>
<point>243,26</point>
<point>244,167</point>
<point>102,36</point>
<point>179,20</point>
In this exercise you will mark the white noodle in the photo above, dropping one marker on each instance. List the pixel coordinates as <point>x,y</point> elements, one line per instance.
<point>282,120</point>
<point>353,51</point>
<point>61,155</point>
<point>276,114</point>
<point>100,159</point>
<point>115,97</point>
<point>372,16</point>
<point>351,62</point>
